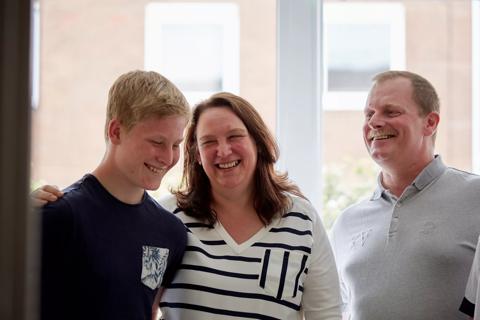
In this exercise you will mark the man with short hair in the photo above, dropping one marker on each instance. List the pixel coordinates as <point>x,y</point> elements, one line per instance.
<point>405,252</point>
<point>107,245</point>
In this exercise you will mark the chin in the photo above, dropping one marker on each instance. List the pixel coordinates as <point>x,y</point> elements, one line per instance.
<point>152,186</point>
<point>227,185</point>
<point>379,157</point>
<point>382,160</point>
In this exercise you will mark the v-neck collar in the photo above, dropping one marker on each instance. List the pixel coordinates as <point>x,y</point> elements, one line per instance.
<point>236,247</point>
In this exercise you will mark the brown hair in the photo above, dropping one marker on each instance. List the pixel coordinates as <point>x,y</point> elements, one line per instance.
<point>270,187</point>
<point>137,95</point>
<point>424,93</point>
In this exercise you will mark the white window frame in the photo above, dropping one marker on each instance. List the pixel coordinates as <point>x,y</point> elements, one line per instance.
<point>358,14</point>
<point>475,86</point>
<point>299,84</point>
<point>158,15</point>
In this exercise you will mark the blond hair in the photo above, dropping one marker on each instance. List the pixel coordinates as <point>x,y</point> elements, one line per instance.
<point>137,95</point>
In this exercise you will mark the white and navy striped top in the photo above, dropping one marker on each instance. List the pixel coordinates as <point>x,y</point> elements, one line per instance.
<point>285,271</point>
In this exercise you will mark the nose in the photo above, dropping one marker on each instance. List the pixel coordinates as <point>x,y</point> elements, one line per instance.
<point>375,121</point>
<point>223,149</point>
<point>166,156</point>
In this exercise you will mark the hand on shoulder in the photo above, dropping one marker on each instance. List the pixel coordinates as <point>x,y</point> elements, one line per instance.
<point>44,194</point>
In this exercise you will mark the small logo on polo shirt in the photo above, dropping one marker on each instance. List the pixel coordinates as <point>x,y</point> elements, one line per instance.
<point>154,264</point>
<point>428,227</point>
<point>360,238</point>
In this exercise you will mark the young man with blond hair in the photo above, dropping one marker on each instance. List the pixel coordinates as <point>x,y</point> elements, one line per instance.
<point>108,247</point>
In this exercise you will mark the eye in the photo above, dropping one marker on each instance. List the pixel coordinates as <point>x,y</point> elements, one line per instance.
<point>236,136</point>
<point>368,115</point>
<point>206,143</point>
<point>156,142</point>
<point>393,113</point>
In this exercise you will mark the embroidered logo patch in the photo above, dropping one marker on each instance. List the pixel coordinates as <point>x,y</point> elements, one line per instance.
<point>154,264</point>
<point>360,238</point>
<point>428,227</point>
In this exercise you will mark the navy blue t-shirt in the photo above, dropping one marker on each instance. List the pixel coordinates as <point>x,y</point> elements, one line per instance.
<point>105,259</point>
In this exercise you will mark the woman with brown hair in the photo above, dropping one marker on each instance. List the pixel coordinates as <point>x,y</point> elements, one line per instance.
<point>256,247</point>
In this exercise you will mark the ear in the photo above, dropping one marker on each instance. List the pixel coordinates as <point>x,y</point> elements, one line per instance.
<point>431,123</point>
<point>114,130</point>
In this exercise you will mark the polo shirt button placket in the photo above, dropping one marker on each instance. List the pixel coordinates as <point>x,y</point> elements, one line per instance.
<point>394,222</point>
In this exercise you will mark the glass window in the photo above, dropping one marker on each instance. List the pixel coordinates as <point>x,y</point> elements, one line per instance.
<point>195,45</point>
<point>203,47</point>
<point>357,45</point>
<point>436,39</point>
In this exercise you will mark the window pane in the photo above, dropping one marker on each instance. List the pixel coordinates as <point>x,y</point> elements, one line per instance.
<point>203,47</point>
<point>198,72</point>
<point>196,45</point>
<point>358,45</point>
<point>432,38</point>
<point>355,53</point>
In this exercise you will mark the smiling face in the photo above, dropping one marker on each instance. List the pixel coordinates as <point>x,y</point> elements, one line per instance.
<point>147,151</point>
<point>226,150</point>
<point>394,131</point>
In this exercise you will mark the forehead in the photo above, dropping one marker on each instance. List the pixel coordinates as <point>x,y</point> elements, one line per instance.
<point>168,126</point>
<point>397,91</point>
<point>218,118</point>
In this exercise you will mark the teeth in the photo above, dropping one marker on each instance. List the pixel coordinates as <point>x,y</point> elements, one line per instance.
<point>156,170</point>
<point>380,136</point>
<point>228,164</point>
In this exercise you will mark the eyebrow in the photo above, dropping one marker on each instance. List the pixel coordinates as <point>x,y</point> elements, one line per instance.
<point>385,106</point>
<point>238,130</point>
<point>203,138</point>
<point>234,130</point>
<point>390,105</point>
<point>163,138</point>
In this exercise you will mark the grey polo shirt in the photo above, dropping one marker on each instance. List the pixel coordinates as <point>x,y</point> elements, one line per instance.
<point>409,258</point>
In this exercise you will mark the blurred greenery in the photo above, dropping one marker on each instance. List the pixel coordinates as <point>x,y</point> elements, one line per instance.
<point>344,184</point>
<point>34,184</point>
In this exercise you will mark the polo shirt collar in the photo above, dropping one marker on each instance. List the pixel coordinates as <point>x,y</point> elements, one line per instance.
<point>430,173</point>
<point>379,190</point>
